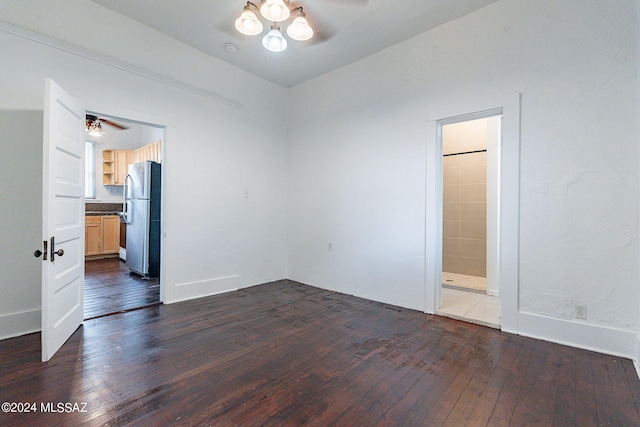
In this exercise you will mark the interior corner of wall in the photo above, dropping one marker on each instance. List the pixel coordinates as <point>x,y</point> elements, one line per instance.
<point>17,324</point>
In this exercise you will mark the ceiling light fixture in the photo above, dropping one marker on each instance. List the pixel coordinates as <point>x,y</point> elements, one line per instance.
<point>275,11</point>
<point>274,41</point>
<point>300,29</point>
<point>94,127</point>
<point>248,23</point>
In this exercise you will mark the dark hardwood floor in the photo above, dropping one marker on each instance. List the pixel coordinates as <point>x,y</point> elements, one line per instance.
<point>289,354</point>
<point>110,287</point>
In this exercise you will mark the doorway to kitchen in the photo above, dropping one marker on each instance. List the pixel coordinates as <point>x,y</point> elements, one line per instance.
<point>119,227</point>
<point>470,173</point>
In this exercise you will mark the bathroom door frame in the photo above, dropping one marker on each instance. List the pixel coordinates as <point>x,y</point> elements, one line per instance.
<point>509,199</point>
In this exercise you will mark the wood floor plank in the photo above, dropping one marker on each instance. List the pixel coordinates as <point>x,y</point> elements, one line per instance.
<point>508,398</point>
<point>110,287</point>
<point>283,353</point>
<point>612,407</point>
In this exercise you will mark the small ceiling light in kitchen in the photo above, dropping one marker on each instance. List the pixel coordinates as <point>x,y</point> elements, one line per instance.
<point>94,127</point>
<point>275,11</point>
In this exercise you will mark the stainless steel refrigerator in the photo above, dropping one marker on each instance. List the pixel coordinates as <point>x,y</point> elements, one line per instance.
<point>142,216</point>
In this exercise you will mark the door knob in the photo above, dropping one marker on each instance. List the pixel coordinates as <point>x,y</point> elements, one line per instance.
<point>59,252</point>
<point>38,252</point>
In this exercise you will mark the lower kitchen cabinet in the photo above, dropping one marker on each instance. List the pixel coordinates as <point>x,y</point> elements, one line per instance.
<point>102,235</point>
<point>110,234</point>
<point>92,235</point>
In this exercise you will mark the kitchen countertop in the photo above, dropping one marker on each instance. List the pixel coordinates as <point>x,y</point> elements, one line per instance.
<point>101,213</point>
<point>102,209</point>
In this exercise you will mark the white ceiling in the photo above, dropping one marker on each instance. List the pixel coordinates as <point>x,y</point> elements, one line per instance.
<point>346,30</point>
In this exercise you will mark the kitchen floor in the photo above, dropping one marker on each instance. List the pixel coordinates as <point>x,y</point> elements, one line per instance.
<point>110,287</point>
<point>471,307</point>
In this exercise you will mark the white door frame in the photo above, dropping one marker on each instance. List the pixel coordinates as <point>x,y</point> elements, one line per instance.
<point>509,199</point>
<point>169,134</point>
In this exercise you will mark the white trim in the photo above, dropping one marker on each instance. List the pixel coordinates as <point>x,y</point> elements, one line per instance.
<point>203,288</point>
<point>130,68</point>
<point>509,237</point>
<point>602,339</point>
<point>433,218</point>
<point>636,356</point>
<point>208,280</point>
<point>22,323</point>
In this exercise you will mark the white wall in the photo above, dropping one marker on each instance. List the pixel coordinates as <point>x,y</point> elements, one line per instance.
<point>216,239</point>
<point>357,162</point>
<point>637,18</point>
<point>20,216</point>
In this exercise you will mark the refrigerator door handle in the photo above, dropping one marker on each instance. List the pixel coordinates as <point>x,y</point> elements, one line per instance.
<point>125,208</point>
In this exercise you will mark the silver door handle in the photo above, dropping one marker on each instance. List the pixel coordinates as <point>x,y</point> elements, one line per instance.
<point>59,252</point>
<point>125,210</point>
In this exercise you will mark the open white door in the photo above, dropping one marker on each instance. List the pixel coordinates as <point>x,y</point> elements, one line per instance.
<point>62,218</point>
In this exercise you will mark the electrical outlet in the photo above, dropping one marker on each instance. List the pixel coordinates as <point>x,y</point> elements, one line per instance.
<point>581,311</point>
<point>330,247</point>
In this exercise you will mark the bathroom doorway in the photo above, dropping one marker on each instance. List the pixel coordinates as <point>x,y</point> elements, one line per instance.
<point>470,174</point>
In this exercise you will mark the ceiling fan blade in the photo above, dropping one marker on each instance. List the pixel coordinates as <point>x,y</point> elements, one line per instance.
<point>112,123</point>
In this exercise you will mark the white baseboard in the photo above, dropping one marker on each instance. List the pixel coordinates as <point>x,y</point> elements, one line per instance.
<point>602,339</point>
<point>204,288</point>
<point>636,358</point>
<point>123,254</point>
<point>16,324</point>
<point>493,293</point>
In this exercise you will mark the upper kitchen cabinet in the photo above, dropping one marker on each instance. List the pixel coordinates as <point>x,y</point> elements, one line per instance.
<point>151,152</point>
<point>115,164</point>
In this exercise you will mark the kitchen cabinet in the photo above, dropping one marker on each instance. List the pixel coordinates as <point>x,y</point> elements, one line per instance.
<point>108,166</point>
<point>102,235</point>
<point>92,235</point>
<point>110,234</point>
<point>115,164</point>
<point>151,152</point>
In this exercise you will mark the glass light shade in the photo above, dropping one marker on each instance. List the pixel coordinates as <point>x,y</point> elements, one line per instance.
<point>249,24</point>
<point>95,129</point>
<point>300,29</point>
<point>275,10</point>
<point>274,41</point>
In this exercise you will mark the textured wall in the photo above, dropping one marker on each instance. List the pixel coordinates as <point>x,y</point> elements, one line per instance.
<point>357,156</point>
